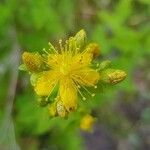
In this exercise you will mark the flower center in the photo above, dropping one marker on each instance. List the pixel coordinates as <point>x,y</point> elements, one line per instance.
<point>65,69</point>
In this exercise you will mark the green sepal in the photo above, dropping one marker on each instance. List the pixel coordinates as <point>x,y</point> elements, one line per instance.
<point>23,67</point>
<point>104,75</point>
<point>43,101</point>
<point>33,78</point>
<point>104,65</point>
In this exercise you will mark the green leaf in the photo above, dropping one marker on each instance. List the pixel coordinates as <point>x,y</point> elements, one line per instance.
<point>31,116</point>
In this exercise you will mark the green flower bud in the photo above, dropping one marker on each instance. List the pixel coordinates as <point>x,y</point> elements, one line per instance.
<point>61,109</point>
<point>80,38</point>
<point>94,49</point>
<point>32,61</point>
<point>104,65</point>
<point>112,76</point>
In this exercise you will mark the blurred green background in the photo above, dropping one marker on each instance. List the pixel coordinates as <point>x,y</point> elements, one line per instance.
<point>122,28</point>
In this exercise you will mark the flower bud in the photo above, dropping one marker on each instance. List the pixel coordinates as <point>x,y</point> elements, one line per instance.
<point>113,76</point>
<point>104,65</point>
<point>87,122</point>
<point>61,109</point>
<point>94,49</point>
<point>117,76</point>
<point>33,61</point>
<point>80,38</point>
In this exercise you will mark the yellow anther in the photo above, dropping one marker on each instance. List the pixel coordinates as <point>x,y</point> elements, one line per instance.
<point>93,94</point>
<point>60,41</point>
<point>84,98</point>
<point>79,86</point>
<point>97,64</point>
<point>95,86</point>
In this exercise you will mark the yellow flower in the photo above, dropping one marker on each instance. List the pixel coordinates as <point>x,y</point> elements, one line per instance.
<point>70,69</point>
<point>70,72</point>
<point>87,122</point>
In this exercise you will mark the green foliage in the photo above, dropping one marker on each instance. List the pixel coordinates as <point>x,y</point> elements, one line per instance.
<point>31,116</point>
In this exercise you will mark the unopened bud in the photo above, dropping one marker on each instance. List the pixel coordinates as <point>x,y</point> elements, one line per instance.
<point>87,122</point>
<point>33,61</point>
<point>94,49</point>
<point>80,38</point>
<point>104,65</point>
<point>113,76</point>
<point>116,76</point>
<point>61,109</point>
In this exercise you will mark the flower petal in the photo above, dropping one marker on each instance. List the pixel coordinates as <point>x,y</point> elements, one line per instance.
<point>80,61</point>
<point>46,83</point>
<point>68,94</point>
<point>86,76</point>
